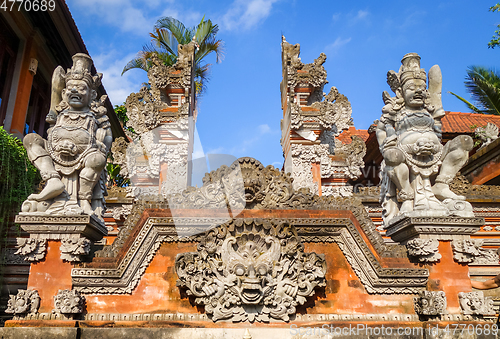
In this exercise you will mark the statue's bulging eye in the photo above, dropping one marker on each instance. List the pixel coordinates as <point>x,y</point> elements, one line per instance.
<point>239,270</point>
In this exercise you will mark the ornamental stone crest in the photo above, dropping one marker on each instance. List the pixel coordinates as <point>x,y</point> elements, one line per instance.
<point>25,301</point>
<point>69,302</point>
<point>430,303</point>
<point>475,303</point>
<point>73,248</point>
<point>426,250</point>
<point>417,169</point>
<point>250,270</point>
<point>31,248</point>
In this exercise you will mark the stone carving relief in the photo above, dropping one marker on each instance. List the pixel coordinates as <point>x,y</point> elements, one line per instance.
<point>69,302</point>
<point>73,157</point>
<point>470,250</point>
<point>142,111</point>
<point>263,188</point>
<point>409,135</point>
<point>24,302</point>
<point>250,270</point>
<point>426,250</point>
<point>475,303</point>
<point>487,134</point>
<point>72,249</point>
<point>430,303</point>
<point>31,249</point>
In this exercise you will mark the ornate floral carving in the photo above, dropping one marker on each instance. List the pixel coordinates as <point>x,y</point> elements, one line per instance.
<point>250,270</point>
<point>470,250</point>
<point>69,302</point>
<point>73,248</point>
<point>430,303</point>
<point>25,301</point>
<point>426,250</point>
<point>353,153</point>
<point>32,249</point>
<point>475,303</point>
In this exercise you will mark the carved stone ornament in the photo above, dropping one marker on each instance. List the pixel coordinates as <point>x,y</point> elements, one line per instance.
<point>426,250</point>
<point>25,301</point>
<point>467,250</point>
<point>430,303</point>
<point>409,137</point>
<point>73,248</point>
<point>69,302</point>
<point>487,134</point>
<point>255,187</point>
<point>73,157</point>
<point>250,270</point>
<point>475,303</point>
<point>32,249</point>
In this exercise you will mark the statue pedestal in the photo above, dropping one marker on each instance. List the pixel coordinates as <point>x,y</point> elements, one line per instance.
<point>76,233</point>
<point>402,229</point>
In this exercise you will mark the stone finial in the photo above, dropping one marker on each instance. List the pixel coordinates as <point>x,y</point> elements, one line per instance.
<point>475,303</point>
<point>430,303</point>
<point>24,302</point>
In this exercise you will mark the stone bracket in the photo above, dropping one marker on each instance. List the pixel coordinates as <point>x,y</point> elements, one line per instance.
<point>76,234</point>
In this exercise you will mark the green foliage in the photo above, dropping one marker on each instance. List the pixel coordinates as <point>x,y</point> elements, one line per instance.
<point>495,40</point>
<point>484,87</point>
<point>115,179</point>
<point>18,179</point>
<point>168,34</point>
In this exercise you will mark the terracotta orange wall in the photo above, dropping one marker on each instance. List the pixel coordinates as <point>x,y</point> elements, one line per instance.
<point>49,276</point>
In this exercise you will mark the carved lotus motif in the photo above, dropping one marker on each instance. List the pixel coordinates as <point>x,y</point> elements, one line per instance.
<point>250,270</point>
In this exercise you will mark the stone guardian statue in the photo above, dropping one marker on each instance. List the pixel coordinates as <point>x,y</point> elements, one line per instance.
<point>73,157</point>
<point>417,168</point>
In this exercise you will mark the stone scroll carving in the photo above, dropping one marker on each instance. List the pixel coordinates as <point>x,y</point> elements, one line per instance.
<point>475,303</point>
<point>417,169</point>
<point>250,270</point>
<point>24,302</point>
<point>430,303</point>
<point>69,302</point>
<point>73,157</point>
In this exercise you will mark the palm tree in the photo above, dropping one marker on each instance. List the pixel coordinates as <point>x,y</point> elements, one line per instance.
<point>168,34</point>
<point>484,87</point>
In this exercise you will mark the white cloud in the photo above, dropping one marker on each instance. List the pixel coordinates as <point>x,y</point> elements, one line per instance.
<point>263,129</point>
<point>117,86</point>
<point>246,14</point>
<point>361,15</point>
<point>337,44</point>
<point>336,16</point>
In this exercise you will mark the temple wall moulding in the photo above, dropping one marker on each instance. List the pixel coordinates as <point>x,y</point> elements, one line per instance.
<point>257,188</point>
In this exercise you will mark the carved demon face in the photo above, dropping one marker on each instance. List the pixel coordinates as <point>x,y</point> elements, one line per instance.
<point>251,259</point>
<point>78,94</point>
<point>415,93</point>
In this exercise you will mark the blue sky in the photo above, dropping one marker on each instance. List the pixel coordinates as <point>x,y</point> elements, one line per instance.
<point>240,112</point>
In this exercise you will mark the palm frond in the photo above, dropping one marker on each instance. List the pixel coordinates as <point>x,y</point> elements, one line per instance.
<point>469,105</point>
<point>484,86</point>
<point>138,62</point>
